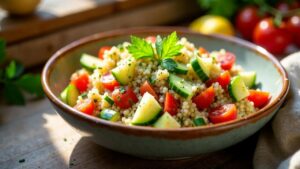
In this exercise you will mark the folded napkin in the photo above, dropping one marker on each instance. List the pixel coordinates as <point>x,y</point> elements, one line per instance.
<point>279,142</point>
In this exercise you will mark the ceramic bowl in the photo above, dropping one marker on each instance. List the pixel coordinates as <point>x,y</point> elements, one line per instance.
<point>165,143</point>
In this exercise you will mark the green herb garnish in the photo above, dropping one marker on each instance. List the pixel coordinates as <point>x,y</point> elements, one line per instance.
<point>170,47</point>
<point>140,48</point>
<point>169,64</point>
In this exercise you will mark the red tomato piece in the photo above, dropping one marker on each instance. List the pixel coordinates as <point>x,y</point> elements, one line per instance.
<point>151,39</point>
<point>226,60</point>
<point>205,98</point>
<point>274,39</point>
<point>124,97</point>
<point>293,26</point>
<point>81,82</point>
<point>202,50</point>
<point>87,107</point>
<point>223,113</point>
<point>259,98</point>
<point>102,50</point>
<point>246,21</point>
<point>146,87</point>
<point>109,82</point>
<point>223,79</point>
<point>171,104</point>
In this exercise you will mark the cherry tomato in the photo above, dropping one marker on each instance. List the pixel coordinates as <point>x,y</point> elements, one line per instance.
<point>171,104</point>
<point>81,82</point>
<point>226,60</point>
<point>87,107</point>
<point>205,98</point>
<point>223,79</point>
<point>223,113</point>
<point>124,97</point>
<point>274,39</point>
<point>109,82</point>
<point>246,21</point>
<point>146,87</point>
<point>202,50</point>
<point>102,50</point>
<point>293,26</point>
<point>151,39</point>
<point>259,98</point>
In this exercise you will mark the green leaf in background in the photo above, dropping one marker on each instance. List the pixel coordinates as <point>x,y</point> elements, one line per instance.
<point>31,84</point>
<point>170,47</point>
<point>158,45</point>
<point>10,70</point>
<point>2,50</point>
<point>140,48</point>
<point>13,95</point>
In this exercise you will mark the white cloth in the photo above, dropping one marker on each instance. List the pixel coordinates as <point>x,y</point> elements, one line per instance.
<point>279,142</point>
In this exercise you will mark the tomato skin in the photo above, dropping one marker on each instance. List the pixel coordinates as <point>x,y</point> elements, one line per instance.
<point>109,82</point>
<point>223,79</point>
<point>226,60</point>
<point>124,97</point>
<point>259,98</point>
<point>293,26</point>
<point>81,82</point>
<point>151,39</point>
<point>274,39</point>
<point>204,99</point>
<point>146,87</point>
<point>223,113</point>
<point>87,107</point>
<point>246,20</point>
<point>102,50</point>
<point>202,50</point>
<point>171,104</point>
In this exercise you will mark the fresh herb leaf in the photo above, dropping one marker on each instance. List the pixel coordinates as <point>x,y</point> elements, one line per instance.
<point>13,95</point>
<point>122,90</point>
<point>158,45</point>
<point>31,84</point>
<point>169,64</point>
<point>140,48</point>
<point>170,47</point>
<point>2,50</point>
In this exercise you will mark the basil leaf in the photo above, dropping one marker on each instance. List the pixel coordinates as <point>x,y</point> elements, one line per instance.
<point>158,45</point>
<point>2,50</point>
<point>31,84</point>
<point>169,64</point>
<point>140,48</point>
<point>170,47</point>
<point>13,95</point>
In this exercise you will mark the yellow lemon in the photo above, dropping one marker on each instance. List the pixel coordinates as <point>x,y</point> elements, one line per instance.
<point>19,7</point>
<point>211,24</point>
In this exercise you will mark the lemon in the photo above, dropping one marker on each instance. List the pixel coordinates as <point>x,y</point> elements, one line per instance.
<point>19,7</point>
<point>212,24</point>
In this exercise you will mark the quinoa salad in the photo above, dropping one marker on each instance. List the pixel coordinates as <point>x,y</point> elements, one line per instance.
<point>163,82</point>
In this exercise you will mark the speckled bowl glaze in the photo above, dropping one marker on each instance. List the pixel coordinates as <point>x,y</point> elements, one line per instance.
<point>165,143</point>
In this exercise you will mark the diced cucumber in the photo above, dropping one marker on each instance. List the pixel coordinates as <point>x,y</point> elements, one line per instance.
<point>72,95</point>
<point>147,112</point>
<point>110,115</point>
<point>249,78</point>
<point>199,121</point>
<point>108,100</point>
<point>166,121</point>
<point>63,95</point>
<point>181,69</point>
<point>237,89</point>
<point>90,62</point>
<point>124,72</point>
<point>201,67</point>
<point>180,86</point>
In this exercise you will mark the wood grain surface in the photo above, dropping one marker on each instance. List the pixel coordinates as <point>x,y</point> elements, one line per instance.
<point>34,136</point>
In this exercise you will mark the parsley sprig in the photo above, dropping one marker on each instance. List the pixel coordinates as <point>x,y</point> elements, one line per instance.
<point>13,81</point>
<point>165,47</point>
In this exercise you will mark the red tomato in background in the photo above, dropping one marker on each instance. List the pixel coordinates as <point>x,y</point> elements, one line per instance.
<point>246,20</point>
<point>151,39</point>
<point>274,39</point>
<point>124,97</point>
<point>146,87</point>
<point>81,82</point>
<point>259,98</point>
<point>109,82</point>
<point>171,104</point>
<point>102,50</point>
<point>87,107</point>
<point>223,79</point>
<point>226,60</point>
<point>223,113</point>
<point>293,26</point>
<point>204,99</point>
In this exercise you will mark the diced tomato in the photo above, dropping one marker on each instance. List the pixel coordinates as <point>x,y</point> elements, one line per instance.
<point>204,99</point>
<point>223,79</point>
<point>102,50</point>
<point>259,98</point>
<point>151,39</point>
<point>109,82</point>
<point>124,97</point>
<point>226,60</point>
<point>81,82</point>
<point>146,87</point>
<point>171,104</point>
<point>87,107</point>
<point>223,113</point>
<point>202,50</point>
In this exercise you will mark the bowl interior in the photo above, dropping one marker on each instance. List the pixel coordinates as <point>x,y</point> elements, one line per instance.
<point>267,73</point>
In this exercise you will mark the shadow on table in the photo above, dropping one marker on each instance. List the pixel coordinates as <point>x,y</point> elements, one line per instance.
<point>88,154</point>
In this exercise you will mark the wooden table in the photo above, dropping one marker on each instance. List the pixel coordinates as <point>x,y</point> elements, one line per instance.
<point>35,136</point>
